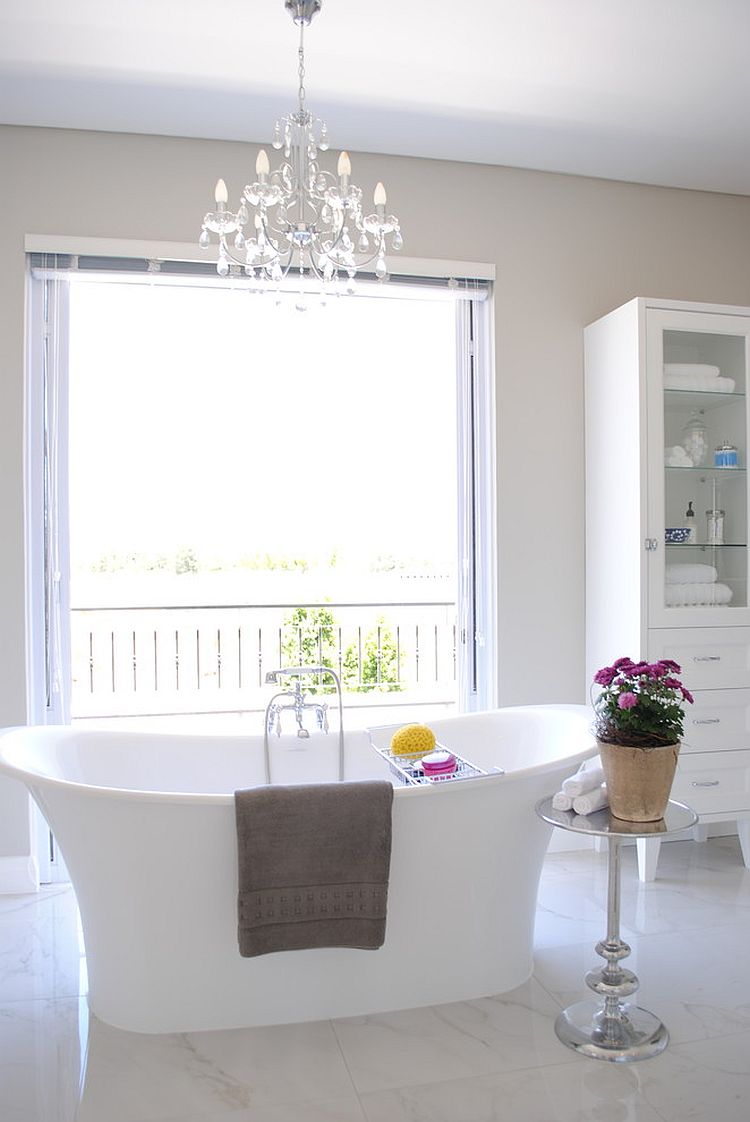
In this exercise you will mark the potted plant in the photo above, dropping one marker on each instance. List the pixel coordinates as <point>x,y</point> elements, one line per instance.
<point>638,722</point>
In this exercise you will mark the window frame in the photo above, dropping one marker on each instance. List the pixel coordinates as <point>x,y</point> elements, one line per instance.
<point>47,514</point>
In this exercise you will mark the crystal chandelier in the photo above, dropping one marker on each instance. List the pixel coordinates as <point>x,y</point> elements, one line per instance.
<point>301,217</point>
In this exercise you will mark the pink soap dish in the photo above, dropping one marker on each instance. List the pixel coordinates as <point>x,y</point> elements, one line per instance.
<point>440,762</point>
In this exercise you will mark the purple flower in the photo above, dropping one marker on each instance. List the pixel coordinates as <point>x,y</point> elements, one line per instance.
<point>627,700</point>
<point>605,676</point>
<point>668,664</point>
<point>673,683</point>
<point>687,695</point>
<point>622,664</point>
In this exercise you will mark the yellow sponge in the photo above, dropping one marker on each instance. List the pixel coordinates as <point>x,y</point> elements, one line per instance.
<point>413,740</point>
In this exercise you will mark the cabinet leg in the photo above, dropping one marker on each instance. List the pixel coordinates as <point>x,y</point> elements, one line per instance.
<point>700,832</point>
<point>743,829</point>
<point>648,857</point>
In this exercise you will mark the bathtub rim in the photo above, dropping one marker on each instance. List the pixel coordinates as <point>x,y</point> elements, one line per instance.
<point>39,779</point>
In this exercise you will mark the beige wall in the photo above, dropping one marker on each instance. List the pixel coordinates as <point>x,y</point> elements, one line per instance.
<point>566,249</point>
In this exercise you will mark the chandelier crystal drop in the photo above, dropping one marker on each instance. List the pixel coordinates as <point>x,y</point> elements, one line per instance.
<point>299,216</point>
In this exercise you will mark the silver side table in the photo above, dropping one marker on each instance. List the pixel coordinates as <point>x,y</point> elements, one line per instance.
<point>609,1028</point>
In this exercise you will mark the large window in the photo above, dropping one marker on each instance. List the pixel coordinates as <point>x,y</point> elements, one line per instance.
<point>225,485</point>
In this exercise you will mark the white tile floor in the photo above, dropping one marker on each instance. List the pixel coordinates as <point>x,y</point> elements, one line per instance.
<point>480,1061</point>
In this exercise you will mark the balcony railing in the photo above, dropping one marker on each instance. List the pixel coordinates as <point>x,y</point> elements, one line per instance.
<point>144,661</point>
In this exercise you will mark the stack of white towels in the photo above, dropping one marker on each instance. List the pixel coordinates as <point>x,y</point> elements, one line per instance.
<point>696,376</point>
<point>584,792</point>
<point>688,586</point>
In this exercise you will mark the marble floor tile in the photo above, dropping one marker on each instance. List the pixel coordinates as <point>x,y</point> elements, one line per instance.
<point>691,900</point>
<point>707,1081</point>
<point>43,1048</point>
<point>41,947</point>
<point>58,898</point>
<point>464,1038</point>
<point>345,1108</point>
<point>584,1091</point>
<point>689,892</point>
<point>147,1077</point>
<point>571,909</point>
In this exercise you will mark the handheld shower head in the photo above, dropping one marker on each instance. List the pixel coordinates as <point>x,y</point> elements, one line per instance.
<point>272,676</point>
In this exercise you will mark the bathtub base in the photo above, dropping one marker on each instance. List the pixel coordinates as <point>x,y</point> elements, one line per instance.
<point>255,1008</point>
<point>463,932</point>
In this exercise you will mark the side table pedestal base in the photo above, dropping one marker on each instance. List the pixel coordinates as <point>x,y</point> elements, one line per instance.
<point>612,1028</point>
<point>631,1033</point>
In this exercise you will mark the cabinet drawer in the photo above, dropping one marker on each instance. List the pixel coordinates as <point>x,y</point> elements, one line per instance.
<point>713,782</point>
<point>710,657</point>
<point>718,721</point>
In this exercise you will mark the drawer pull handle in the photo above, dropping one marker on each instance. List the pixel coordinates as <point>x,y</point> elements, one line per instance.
<point>706,783</point>
<point>708,721</point>
<point>706,658</point>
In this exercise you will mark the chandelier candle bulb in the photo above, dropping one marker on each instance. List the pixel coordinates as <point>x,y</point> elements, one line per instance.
<point>344,170</point>
<point>380,198</point>
<point>262,165</point>
<point>221,194</point>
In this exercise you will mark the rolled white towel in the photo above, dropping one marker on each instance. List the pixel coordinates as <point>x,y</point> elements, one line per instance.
<point>676,456</point>
<point>697,595</point>
<point>691,369</point>
<point>591,801</point>
<point>700,383</point>
<point>561,801</point>
<point>690,574</point>
<point>585,779</point>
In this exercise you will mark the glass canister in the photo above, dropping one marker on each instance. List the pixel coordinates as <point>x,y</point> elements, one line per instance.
<point>725,456</point>
<point>695,440</point>
<point>714,527</point>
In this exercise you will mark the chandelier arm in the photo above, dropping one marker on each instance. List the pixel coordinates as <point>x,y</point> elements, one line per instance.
<point>360,262</point>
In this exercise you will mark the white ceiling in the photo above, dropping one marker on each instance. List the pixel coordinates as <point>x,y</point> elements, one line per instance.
<point>654,91</point>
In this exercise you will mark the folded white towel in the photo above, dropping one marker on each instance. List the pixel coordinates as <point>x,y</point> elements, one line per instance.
<point>698,382</point>
<point>690,574</point>
<point>585,779</point>
<point>691,369</point>
<point>561,801</point>
<point>591,801</point>
<point>696,595</point>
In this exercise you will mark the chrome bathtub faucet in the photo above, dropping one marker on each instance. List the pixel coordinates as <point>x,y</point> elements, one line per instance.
<point>297,703</point>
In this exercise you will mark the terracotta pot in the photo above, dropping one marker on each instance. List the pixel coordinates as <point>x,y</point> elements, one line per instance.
<point>639,780</point>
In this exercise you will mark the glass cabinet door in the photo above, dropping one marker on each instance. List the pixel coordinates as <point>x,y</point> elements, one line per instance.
<point>698,445</point>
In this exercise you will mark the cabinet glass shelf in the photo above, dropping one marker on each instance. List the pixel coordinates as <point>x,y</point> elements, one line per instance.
<point>709,471</point>
<point>705,545</point>
<point>700,399</point>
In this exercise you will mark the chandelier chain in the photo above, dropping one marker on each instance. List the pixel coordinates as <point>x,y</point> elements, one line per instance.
<point>301,68</point>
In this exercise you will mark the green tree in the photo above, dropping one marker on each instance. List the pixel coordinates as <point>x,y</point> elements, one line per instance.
<point>308,638</point>
<point>376,665</point>
<point>186,561</point>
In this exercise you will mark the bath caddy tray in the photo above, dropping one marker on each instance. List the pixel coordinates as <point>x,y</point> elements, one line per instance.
<point>406,770</point>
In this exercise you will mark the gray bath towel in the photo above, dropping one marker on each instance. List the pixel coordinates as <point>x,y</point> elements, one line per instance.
<point>313,863</point>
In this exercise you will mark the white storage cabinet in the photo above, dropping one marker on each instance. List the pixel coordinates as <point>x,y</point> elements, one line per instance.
<point>657,371</point>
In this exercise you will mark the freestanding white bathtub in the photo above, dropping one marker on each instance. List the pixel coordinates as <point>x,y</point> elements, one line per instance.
<point>146,825</point>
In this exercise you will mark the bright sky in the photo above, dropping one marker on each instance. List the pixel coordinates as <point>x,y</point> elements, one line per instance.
<point>213,419</point>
